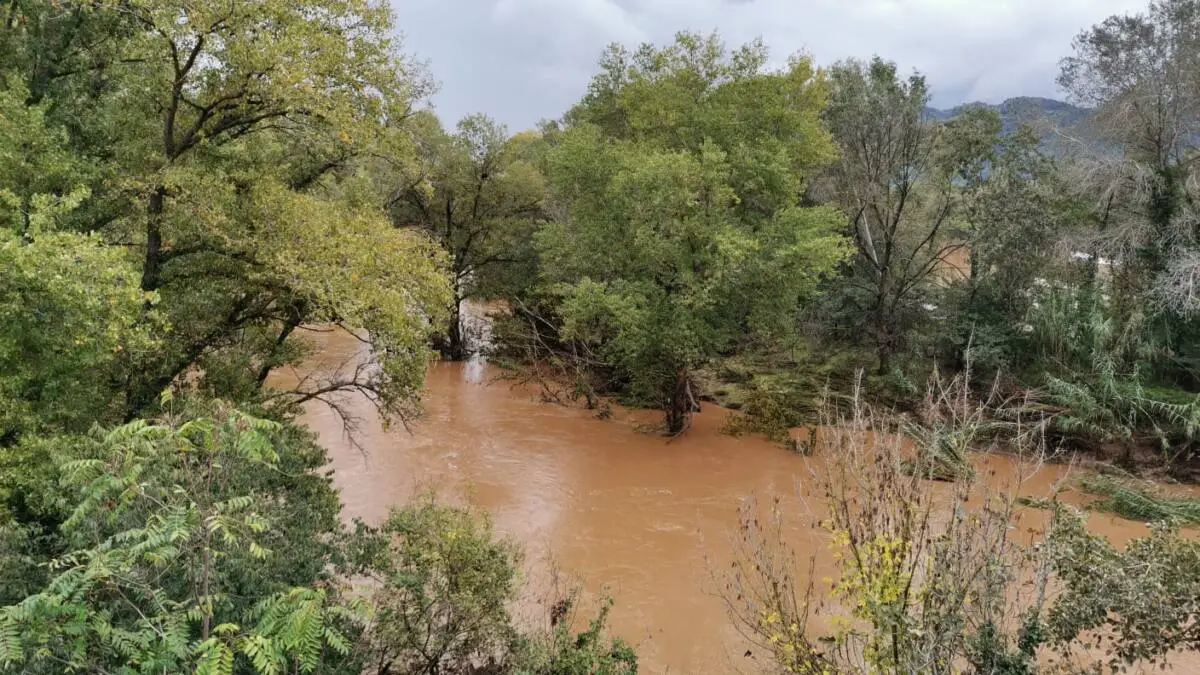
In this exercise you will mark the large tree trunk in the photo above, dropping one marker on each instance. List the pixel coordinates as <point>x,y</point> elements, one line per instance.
<point>455,346</point>
<point>883,324</point>
<point>680,403</point>
<point>884,354</point>
<point>884,343</point>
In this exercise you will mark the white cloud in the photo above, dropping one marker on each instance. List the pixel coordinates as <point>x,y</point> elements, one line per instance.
<point>522,60</point>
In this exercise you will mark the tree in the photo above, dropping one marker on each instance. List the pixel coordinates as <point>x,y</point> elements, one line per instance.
<point>679,175</point>
<point>899,201</point>
<point>1137,71</point>
<point>444,585</point>
<point>1012,210</point>
<point>224,145</point>
<point>1144,596</point>
<point>479,193</point>
<point>929,578</point>
<point>194,544</point>
<point>70,320</point>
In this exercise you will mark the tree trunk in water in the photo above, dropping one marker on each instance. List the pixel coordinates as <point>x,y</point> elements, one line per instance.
<point>681,404</point>
<point>455,347</point>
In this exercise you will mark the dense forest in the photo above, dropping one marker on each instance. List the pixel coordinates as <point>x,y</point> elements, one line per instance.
<point>189,189</point>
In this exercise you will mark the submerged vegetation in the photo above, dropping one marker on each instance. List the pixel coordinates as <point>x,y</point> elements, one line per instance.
<point>1144,502</point>
<point>188,188</point>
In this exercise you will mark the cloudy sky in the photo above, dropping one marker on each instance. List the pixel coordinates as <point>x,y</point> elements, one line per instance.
<point>525,60</point>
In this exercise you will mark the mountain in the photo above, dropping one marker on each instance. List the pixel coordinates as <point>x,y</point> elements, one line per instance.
<point>1022,110</point>
<point>1044,115</point>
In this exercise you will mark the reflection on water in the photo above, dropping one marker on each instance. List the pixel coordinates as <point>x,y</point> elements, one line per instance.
<point>477,329</point>
<point>645,518</point>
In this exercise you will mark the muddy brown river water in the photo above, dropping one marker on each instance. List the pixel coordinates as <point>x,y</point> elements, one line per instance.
<point>626,512</point>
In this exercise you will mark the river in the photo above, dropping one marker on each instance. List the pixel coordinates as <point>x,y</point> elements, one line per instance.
<point>631,513</point>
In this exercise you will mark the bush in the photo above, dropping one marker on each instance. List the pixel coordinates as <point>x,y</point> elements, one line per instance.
<point>928,583</point>
<point>1144,600</point>
<point>559,651</point>
<point>445,585</point>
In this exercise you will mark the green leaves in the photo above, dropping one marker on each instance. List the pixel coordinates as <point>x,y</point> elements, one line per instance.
<point>169,527</point>
<point>1145,597</point>
<point>479,194</point>
<point>216,150</point>
<point>70,318</point>
<point>680,175</point>
<point>444,588</point>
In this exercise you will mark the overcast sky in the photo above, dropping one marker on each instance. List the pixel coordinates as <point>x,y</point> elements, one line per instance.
<point>524,60</point>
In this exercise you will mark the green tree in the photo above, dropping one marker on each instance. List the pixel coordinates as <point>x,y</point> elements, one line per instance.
<point>70,320</point>
<point>224,148</point>
<point>899,200</point>
<point>445,582</point>
<point>479,193</point>
<point>1013,208</point>
<point>1144,597</point>
<point>679,175</point>
<point>194,544</point>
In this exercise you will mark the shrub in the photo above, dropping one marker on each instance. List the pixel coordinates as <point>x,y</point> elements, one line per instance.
<point>445,582</point>
<point>927,582</point>
<point>1145,599</point>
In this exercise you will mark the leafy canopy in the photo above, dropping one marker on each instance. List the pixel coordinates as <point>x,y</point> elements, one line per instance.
<point>680,174</point>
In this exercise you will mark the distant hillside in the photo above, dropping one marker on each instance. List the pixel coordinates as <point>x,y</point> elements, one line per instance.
<point>1043,114</point>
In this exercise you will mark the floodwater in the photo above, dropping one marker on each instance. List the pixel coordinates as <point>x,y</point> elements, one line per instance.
<point>629,513</point>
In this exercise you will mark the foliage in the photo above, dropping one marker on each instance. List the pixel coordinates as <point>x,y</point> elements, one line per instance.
<point>1140,184</point>
<point>1141,502</point>
<point>219,146</point>
<point>1106,407</point>
<point>767,411</point>
<point>479,193</point>
<point>933,581</point>
<point>560,651</point>
<point>1012,202</point>
<point>761,595</point>
<point>42,180</point>
<point>682,227</point>
<point>70,321</point>
<point>186,185</point>
<point>445,582</point>
<point>1143,599</point>
<point>929,581</point>
<point>953,422</point>
<point>896,197</point>
<point>171,564</point>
